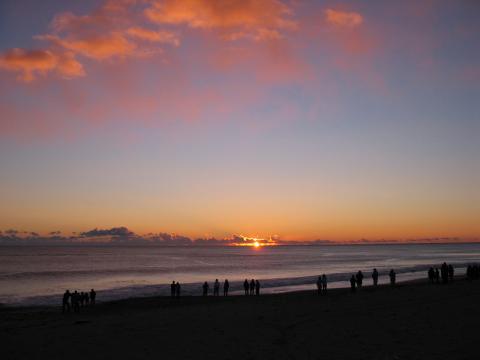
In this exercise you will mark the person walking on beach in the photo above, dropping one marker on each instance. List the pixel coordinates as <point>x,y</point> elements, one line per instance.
<point>324,284</point>
<point>375,277</point>
<point>173,289</point>
<point>226,286</point>
<point>392,277</point>
<point>450,272</point>
<point>205,288</point>
<point>252,287</point>
<point>257,287</point>
<point>216,288</point>
<point>245,286</point>
<point>319,285</point>
<point>353,282</point>
<point>359,279</point>
<point>177,289</point>
<point>431,275</point>
<point>66,301</point>
<point>93,295</point>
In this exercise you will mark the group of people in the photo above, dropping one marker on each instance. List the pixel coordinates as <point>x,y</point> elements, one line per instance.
<point>446,272</point>
<point>473,272</point>
<point>252,287</point>
<point>74,301</point>
<point>175,289</point>
<point>322,284</point>
<point>216,288</point>
<point>356,280</point>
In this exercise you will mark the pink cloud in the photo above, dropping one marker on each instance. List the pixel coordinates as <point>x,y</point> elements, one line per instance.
<point>167,37</point>
<point>31,63</point>
<point>98,47</point>
<point>343,18</point>
<point>235,19</point>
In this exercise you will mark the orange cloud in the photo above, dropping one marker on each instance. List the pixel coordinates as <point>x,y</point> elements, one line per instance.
<point>343,19</point>
<point>154,36</point>
<point>97,47</point>
<point>258,19</point>
<point>30,63</point>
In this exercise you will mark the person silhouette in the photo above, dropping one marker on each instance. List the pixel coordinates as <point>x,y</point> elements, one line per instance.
<point>87,298</point>
<point>431,275</point>
<point>437,276</point>
<point>226,286</point>
<point>66,301</point>
<point>257,287</point>
<point>324,284</point>
<point>93,295</point>
<point>393,277</point>
<point>319,285</point>
<point>245,286</point>
<point>76,302</point>
<point>216,288</point>
<point>353,282</point>
<point>173,289</point>
<point>375,277</point>
<point>451,272</point>
<point>359,279</point>
<point>444,272</point>
<point>177,289</point>
<point>205,288</point>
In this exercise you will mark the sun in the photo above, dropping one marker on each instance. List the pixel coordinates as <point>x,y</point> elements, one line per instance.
<point>256,244</point>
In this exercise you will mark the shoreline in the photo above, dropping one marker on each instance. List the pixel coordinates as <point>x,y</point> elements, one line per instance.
<point>269,286</point>
<point>142,300</point>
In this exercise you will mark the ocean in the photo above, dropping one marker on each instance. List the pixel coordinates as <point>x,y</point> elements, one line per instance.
<point>38,275</point>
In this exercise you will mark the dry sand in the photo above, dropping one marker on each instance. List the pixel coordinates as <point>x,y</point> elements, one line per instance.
<point>412,321</point>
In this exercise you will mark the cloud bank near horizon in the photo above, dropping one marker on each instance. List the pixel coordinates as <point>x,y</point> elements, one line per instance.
<point>124,236</point>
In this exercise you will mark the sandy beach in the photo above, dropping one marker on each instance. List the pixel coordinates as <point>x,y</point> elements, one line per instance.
<point>415,320</point>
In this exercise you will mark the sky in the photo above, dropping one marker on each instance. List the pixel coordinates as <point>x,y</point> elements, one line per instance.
<point>294,119</point>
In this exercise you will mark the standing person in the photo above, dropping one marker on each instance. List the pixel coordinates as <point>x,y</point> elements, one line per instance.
<point>437,275</point>
<point>87,298</point>
<point>324,284</point>
<point>173,289</point>
<point>93,295</point>
<point>216,288</point>
<point>66,301</point>
<point>352,283</point>
<point>81,299</point>
<point>444,272</point>
<point>177,289</point>
<point>75,302</point>
<point>450,272</point>
<point>252,287</point>
<point>245,286</point>
<point>319,285</point>
<point>257,287</point>
<point>226,286</point>
<point>359,279</point>
<point>431,275</point>
<point>392,277</point>
<point>375,277</point>
<point>205,288</point>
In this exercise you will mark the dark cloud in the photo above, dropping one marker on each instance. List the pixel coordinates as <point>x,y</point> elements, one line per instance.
<point>52,233</point>
<point>11,232</point>
<point>122,232</point>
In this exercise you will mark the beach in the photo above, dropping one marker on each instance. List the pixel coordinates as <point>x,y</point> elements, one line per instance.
<point>414,320</point>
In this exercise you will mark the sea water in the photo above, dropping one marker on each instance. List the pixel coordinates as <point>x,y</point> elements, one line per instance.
<point>40,274</point>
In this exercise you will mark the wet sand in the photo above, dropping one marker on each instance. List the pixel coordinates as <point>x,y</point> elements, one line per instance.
<point>415,320</point>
